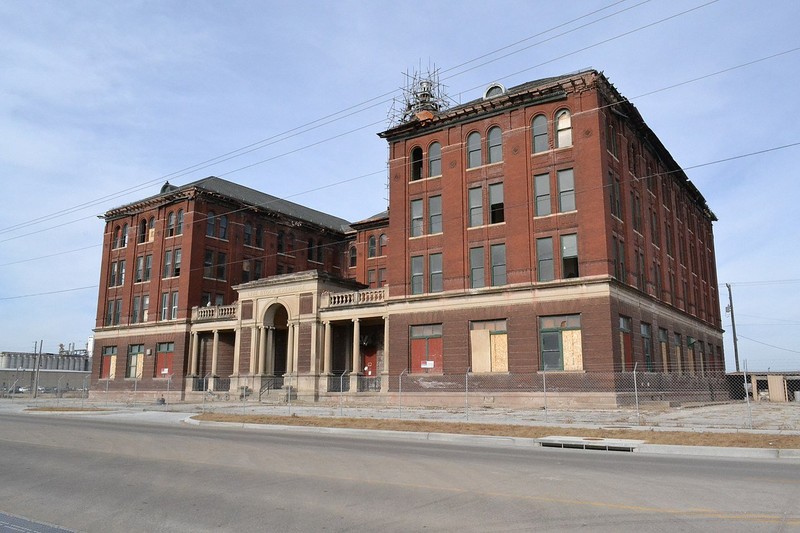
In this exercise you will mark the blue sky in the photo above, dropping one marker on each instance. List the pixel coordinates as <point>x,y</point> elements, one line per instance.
<point>101,102</point>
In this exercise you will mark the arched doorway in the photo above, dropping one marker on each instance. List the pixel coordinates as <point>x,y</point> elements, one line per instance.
<point>277,318</point>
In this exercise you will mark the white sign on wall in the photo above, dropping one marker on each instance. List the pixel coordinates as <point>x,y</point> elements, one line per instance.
<point>426,364</point>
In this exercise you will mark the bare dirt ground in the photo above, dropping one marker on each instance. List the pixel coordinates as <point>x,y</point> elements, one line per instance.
<point>685,438</point>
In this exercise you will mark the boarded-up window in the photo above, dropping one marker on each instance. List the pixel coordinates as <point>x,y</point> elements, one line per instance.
<point>164,357</point>
<point>561,347</point>
<point>426,349</point>
<point>108,362</point>
<point>489,346</point>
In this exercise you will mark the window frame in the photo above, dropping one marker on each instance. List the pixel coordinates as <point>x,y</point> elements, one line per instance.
<point>540,142</point>
<point>494,145</point>
<point>474,150</point>
<point>434,159</point>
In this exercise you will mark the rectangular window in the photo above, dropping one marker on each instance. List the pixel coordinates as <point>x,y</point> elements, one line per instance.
<point>626,343</point>
<point>435,272</point>
<point>112,277</point>
<point>205,299</point>
<point>245,271</point>
<point>569,256</point>
<point>164,355</point>
<point>164,306</point>
<point>174,312</point>
<point>167,264</point>
<point>139,269</point>
<point>110,313</point>
<point>560,342</point>
<point>208,264</point>
<point>616,195</point>
<point>475,207</point>
<point>137,302</point>
<point>655,229</point>
<point>641,274</point>
<point>619,264</point>
<point>435,214</point>
<point>219,299</point>
<point>148,267</point>
<point>541,186</point>
<point>381,277</point>
<point>476,268</point>
<point>647,345</point>
<point>566,190</point>
<point>496,205</point>
<point>108,362</point>
<point>135,361</point>
<point>416,275</point>
<point>176,265</point>
<point>637,211</point>
<point>544,258</point>
<point>663,344</point>
<point>121,273</point>
<point>117,311</point>
<point>416,218</point>
<point>258,269</point>
<point>488,346</point>
<point>498,257</point>
<point>221,264</point>
<point>426,348</point>
<point>145,307</point>
<point>371,278</point>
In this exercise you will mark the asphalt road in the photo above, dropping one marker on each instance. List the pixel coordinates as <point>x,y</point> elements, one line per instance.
<point>108,474</point>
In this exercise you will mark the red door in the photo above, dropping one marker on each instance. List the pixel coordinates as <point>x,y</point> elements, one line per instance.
<point>370,359</point>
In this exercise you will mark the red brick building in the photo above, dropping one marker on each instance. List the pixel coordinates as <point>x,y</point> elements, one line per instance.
<point>543,227</point>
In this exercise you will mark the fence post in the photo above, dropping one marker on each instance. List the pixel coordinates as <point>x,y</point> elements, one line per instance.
<point>341,393</point>
<point>400,388</point>
<point>466,393</point>
<point>747,397</point>
<point>544,389</point>
<point>636,394</point>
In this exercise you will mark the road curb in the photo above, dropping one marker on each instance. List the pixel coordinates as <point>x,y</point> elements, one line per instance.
<point>516,442</point>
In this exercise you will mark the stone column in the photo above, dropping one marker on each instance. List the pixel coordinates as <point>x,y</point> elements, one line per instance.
<point>237,344</point>
<point>327,349</point>
<point>290,350</point>
<point>269,360</point>
<point>214,353</point>
<point>262,350</point>
<point>195,352</point>
<point>356,364</point>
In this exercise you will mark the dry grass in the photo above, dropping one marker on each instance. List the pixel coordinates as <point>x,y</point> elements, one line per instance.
<point>686,438</point>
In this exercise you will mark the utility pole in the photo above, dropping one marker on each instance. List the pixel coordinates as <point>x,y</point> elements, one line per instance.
<point>36,368</point>
<point>733,326</point>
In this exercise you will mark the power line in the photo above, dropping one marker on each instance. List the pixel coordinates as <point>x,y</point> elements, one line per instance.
<point>318,122</point>
<point>769,345</point>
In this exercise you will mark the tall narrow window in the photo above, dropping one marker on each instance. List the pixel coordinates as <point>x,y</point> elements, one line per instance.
<point>416,164</point>
<point>496,205</point>
<point>259,236</point>
<point>495,142</point>
<point>498,256</point>
<point>569,256</point>
<point>382,242</point>
<point>223,227</point>
<point>112,278</point>
<point>137,302</point>
<point>135,362</point>
<point>151,229</point>
<point>475,207</point>
<point>416,218</point>
<point>248,234</point>
<point>435,272</point>
<point>619,267</point>
<point>566,190</point>
<point>544,259</point>
<point>371,278</point>
<point>435,160</point>
<point>176,264</point>
<point>164,356</point>
<point>171,224</point>
<point>208,264</point>
<point>167,264</point>
<point>611,137</point>
<point>353,257</point>
<point>148,267</point>
<point>164,306</point>
<point>541,185</point>
<point>141,236</point>
<point>139,269</point>
<point>145,307</point>
<point>435,214</point>
<point>416,275</point>
<point>280,244</point>
<point>563,129</point>
<point>221,265</point>
<point>179,223</point>
<point>540,142</point>
<point>211,224</point>
<point>174,308</point>
<point>121,280</point>
<point>124,236</point>
<point>476,268</point>
<point>647,345</point>
<point>371,246</point>
<point>381,277</point>
<point>616,199</point>
<point>474,157</point>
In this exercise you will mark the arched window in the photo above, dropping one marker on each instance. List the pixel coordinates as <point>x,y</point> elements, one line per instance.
<point>211,224</point>
<point>416,163</point>
<point>540,142</point>
<point>141,236</point>
<point>179,223</point>
<point>223,227</point>
<point>435,160</point>
<point>353,257</point>
<point>248,234</point>
<point>563,129</point>
<point>495,142</point>
<point>474,157</point>
<point>123,238</point>
<point>151,229</point>
<point>116,237</point>
<point>382,244</point>
<point>371,246</point>
<point>171,224</point>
